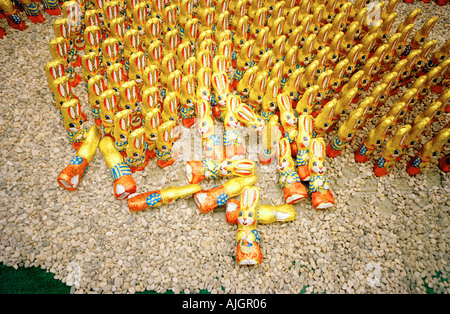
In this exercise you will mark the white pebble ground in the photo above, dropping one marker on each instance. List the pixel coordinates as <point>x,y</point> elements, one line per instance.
<point>384,235</point>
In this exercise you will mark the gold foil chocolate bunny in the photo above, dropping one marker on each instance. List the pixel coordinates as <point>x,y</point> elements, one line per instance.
<point>248,251</point>
<point>321,195</point>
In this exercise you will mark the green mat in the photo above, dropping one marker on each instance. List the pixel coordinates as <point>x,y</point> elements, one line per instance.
<point>34,280</point>
<point>31,280</point>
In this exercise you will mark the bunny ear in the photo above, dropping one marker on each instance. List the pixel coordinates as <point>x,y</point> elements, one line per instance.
<point>244,197</point>
<point>355,56</point>
<point>153,122</point>
<point>312,96</point>
<point>134,92</point>
<point>253,196</point>
<point>321,148</point>
<point>207,78</point>
<point>225,22</point>
<point>262,84</point>
<point>309,125</point>
<point>325,81</point>
<point>285,102</point>
<point>251,79</point>
<point>274,90</point>
<point>233,103</point>
<point>113,102</point>
<point>166,136</point>
<point>60,70</point>
<point>244,28</point>
<point>122,124</point>
<point>136,143</point>
<point>245,113</point>
<point>71,112</point>
<point>61,90</point>
<point>284,146</point>
<point>189,87</point>
<point>202,109</point>
<point>173,104</point>
<point>107,104</point>
<point>78,109</point>
<point>315,149</point>
<point>244,168</point>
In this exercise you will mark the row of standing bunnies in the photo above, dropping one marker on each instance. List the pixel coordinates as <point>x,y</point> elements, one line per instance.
<point>290,71</point>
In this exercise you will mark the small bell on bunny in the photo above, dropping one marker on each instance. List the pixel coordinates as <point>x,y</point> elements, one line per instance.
<point>248,251</point>
<point>142,201</point>
<point>197,170</point>
<point>321,195</point>
<point>293,189</point>
<point>71,176</point>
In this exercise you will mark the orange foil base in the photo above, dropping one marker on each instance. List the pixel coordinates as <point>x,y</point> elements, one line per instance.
<point>194,171</point>
<point>322,200</point>
<point>294,193</point>
<point>138,202</point>
<point>71,176</point>
<point>124,186</point>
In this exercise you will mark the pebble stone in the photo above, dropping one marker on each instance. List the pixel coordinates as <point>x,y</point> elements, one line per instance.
<point>384,235</point>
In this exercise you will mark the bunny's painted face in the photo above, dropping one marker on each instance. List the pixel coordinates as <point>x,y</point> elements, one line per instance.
<point>283,164</point>
<point>318,169</point>
<point>246,218</point>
